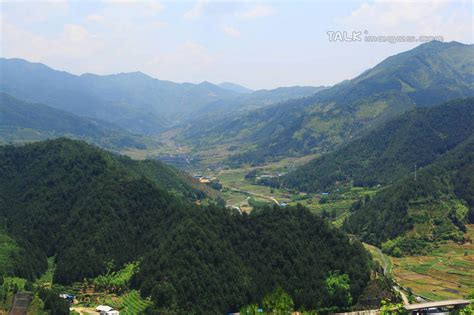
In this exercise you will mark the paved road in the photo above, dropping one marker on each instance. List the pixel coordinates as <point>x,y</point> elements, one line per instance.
<point>21,301</point>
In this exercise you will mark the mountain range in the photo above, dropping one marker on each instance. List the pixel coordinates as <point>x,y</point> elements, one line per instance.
<point>133,101</point>
<point>427,75</point>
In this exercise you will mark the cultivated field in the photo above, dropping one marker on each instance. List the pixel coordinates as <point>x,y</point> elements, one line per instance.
<point>446,273</point>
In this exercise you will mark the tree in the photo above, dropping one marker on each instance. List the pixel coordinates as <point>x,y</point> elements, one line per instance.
<point>338,287</point>
<point>251,309</point>
<point>53,303</point>
<point>278,302</point>
<point>164,294</point>
<point>392,309</point>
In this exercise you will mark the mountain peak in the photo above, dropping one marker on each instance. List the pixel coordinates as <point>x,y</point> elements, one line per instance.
<point>235,87</point>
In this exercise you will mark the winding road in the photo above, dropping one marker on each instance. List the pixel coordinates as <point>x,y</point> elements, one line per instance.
<point>386,272</point>
<point>254,194</point>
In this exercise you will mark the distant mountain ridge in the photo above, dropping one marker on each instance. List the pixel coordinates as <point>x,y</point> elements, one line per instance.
<point>25,122</point>
<point>427,75</point>
<point>133,101</point>
<point>235,87</point>
<point>214,112</point>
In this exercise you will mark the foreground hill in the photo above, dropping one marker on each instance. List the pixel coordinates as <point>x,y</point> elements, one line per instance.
<point>390,151</point>
<point>410,214</point>
<point>25,122</point>
<point>427,75</point>
<point>93,211</point>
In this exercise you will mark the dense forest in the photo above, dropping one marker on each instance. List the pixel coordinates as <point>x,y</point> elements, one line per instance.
<point>410,214</point>
<point>237,259</point>
<point>95,211</point>
<point>390,151</point>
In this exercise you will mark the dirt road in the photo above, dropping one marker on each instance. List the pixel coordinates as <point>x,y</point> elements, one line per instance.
<point>386,272</point>
<point>254,194</point>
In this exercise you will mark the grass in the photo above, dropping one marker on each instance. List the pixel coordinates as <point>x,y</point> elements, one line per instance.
<point>444,273</point>
<point>380,258</point>
<point>47,278</point>
<point>133,304</point>
<point>36,306</point>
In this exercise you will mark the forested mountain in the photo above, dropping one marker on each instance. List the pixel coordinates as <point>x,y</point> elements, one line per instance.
<point>391,150</point>
<point>93,210</point>
<point>133,101</point>
<point>427,75</point>
<point>412,213</point>
<point>25,122</point>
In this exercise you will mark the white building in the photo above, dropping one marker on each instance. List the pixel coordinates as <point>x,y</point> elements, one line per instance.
<point>106,310</point>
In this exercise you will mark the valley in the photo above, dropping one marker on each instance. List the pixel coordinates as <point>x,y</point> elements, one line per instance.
<point>127,194</point>
<point>441,274</point>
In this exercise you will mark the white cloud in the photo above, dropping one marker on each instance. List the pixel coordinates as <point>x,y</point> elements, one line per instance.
<point>192,56</point>
<point>95,18</point>
<point>34,11</point>
<point>152,6</point>
<point>73,42</point>
<point>257,11</point>
<point>233,32</point>
<point>403,17</point>
<point>196,11</point>
<point>155,6</point>
<point>127,17</point>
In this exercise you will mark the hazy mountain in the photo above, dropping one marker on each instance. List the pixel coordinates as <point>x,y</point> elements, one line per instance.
<point>235,87</point>
<point>24,122</point>
<point>411,214</point>
<point>390,151</point>
<point>429,74</point>
<point>133,101</point>
<point>216,111</point>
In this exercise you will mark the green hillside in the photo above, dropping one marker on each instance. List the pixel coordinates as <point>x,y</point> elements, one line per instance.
<point>415,213</point>
<point>427,75</point>
<point>390,151</point>
<point>21,121</point>
<point>95,212</point>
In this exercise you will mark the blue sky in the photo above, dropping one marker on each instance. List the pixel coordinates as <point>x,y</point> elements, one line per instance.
<point>259,44</point>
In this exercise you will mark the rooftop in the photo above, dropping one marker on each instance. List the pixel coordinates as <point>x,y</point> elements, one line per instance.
<point>414,307</point>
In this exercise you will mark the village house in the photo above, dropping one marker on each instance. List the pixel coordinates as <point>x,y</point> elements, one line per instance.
<point>106,310</point>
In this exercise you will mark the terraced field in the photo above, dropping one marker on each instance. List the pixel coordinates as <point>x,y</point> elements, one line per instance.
<point>133,304</point>
<point>446,273</point>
